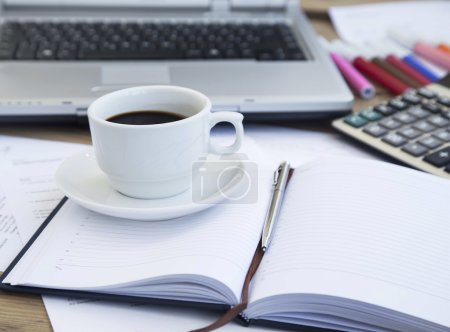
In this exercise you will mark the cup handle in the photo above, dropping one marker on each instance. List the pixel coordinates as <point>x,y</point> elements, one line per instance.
<point>236,120</point>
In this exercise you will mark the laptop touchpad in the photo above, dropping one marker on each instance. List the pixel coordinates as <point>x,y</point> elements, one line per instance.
<point>121,76</point>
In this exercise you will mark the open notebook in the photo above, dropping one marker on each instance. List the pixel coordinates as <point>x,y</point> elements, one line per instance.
<point>359,246</point>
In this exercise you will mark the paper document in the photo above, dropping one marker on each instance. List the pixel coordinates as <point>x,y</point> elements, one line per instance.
<point>279,143</point>
<point>426,20</point>
<point>27,167</point>
<point>74,315</point>
<point>27,178</point>
<point>10,243</point>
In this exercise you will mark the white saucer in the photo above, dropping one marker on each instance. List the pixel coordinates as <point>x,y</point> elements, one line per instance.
<point>80,179</point>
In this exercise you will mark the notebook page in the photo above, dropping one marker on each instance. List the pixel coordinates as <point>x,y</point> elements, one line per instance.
<point>86,250</point>
<point>366,231</point>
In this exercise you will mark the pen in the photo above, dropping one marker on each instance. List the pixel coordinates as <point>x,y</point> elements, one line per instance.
<point>280,181</point>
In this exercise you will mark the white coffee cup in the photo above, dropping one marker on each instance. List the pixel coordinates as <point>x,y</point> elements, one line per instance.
<point>155,161</point>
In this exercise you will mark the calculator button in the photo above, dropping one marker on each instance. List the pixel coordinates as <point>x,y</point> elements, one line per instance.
<point>439,158</point>
<point>447,169</point>
<point>411,99</point>
<point>410,132</point>
<point>390,123</point>
<point>418,112</point>
<point>431,142</point>
<point>355,120</point>
<point>432,108</point>
<point>394,139</point>
<point>384,109</point>
<point>444,101</point>
<point>370,114</point>
<point>398,104</point>
<point>443,135</point>
<point>438,121</point>
<point>426,93</point>
<point>415,149</point>
<point>424,126</point>
<point>405,117</point>
<point>375,130</point>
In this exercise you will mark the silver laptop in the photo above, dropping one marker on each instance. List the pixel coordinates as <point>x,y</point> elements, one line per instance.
<point>258,57</point>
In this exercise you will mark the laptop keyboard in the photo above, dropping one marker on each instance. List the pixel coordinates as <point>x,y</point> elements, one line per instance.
<point>147,41</point>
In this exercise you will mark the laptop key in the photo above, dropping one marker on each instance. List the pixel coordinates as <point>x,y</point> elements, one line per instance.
<point>439,158</point>
<point>26,51</point>
<point>194,54</point>
<point>46,53</point>
<point>66,54</point>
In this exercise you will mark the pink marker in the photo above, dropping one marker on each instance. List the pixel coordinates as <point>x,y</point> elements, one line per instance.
<point>354,78</point>
<point>433,54</point>
<point>425,50</point>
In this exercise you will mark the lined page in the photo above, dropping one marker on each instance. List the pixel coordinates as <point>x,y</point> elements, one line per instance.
<point>81,249</point>
<point>367,231</point>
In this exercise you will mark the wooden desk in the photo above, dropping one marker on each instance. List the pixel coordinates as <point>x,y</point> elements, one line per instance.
<point>20,313</point>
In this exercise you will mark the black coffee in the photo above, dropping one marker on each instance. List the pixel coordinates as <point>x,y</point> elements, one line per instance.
<point>140,118</point>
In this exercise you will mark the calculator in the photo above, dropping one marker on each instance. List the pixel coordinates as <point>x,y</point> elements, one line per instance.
<point>413,128</point>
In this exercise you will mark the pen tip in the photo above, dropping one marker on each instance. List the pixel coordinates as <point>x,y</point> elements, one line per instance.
<point>264,249</point>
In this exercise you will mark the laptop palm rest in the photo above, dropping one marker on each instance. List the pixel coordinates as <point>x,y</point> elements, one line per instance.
<point>123,76</point>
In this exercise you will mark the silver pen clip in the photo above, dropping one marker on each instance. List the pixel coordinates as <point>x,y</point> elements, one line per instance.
<point>276,176</point>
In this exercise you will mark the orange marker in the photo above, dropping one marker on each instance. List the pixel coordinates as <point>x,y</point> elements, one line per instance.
<point>444,47</point>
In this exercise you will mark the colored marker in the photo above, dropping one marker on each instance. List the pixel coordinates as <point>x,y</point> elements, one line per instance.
<point>390,82</point>
<point>444,47</point>
<point>418,65</point>
<point>369,69</point>
<point>398,63</point>
<point>394,71</point>
<point>358,82</point>
<point>391,51</point>
<point>425,50</point>
<point>433,54</point>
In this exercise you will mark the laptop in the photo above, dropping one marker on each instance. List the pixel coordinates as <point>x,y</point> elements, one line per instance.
<point>258,57</point>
